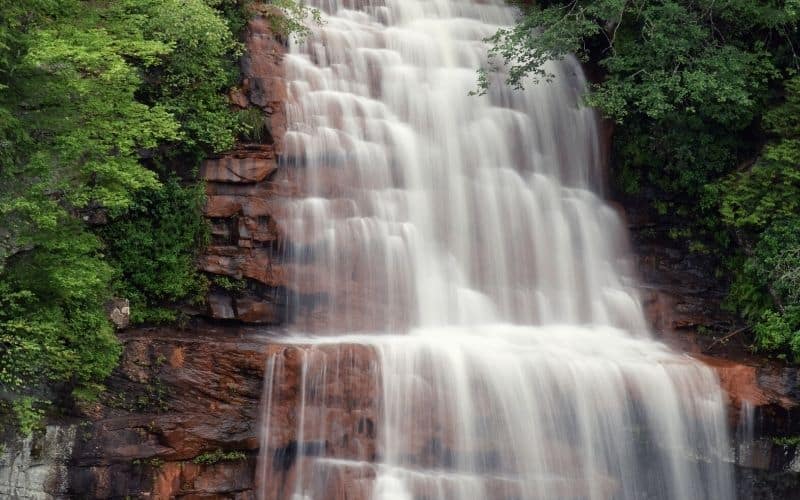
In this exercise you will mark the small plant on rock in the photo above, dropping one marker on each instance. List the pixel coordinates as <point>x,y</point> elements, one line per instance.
<point>213,457</point>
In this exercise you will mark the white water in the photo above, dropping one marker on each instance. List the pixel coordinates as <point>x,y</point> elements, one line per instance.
<point>462,240</point>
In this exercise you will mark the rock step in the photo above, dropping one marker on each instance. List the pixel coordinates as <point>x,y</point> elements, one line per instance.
<point>247,170</point>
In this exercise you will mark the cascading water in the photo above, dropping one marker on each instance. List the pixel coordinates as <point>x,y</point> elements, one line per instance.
<point>483,339</point>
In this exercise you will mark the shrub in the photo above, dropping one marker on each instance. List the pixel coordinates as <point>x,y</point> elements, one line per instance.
<point>155,246</point>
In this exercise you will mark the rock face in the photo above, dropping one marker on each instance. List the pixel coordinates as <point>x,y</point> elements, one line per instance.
<point>177,398</point>
<point>248,169</point>
<point>683,300</point>
<point>181,419</point>
<point>244,197</point>
<point>182,397</point>
<point>321,406</point>
<point>260,270</point>
<point>36,467</point>
<point>119,312</point>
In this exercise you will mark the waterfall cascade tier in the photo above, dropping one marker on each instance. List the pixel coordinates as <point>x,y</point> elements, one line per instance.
<point>483,337</point>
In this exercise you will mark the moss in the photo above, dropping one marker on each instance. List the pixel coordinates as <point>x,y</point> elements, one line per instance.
<point>216,456</point>
<point>230,284</point>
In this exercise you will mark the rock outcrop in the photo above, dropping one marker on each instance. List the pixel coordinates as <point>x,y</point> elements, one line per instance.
<point>37,467</point>
<point>244,196</point>
<point>320,402</point>
<point>683,300</point>
<point>179,419</point>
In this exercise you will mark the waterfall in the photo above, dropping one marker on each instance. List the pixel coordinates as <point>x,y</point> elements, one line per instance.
<point>467,325</point>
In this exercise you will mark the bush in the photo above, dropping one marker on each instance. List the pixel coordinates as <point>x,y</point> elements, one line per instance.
<point>94,98</point>
<point>766,291</point>
<point>762,206</point>
<point>154,248</point>
<point>191,81</point>
<point>253,124</point>
<point>28,414</point>
<point>54,334</point>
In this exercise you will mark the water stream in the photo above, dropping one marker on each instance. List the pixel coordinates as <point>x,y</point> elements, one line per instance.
<point>463,245</point>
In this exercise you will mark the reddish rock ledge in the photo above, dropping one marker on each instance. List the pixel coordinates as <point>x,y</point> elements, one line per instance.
<point>244,192</point>
<point>178,395</point>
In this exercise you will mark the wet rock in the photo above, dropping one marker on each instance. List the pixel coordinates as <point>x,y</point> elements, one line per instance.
<point>683,301</point>
<point>189,480</point>
<point>339,418</point>
<point>197,391</point>
<point>246,189</point>
<point>256,264</point>
<point>221,306</point>
<point>238,98</point>
<point>253,310</point>
<point>259,90</point>
<point>680,290</point>
<point>764,387</point>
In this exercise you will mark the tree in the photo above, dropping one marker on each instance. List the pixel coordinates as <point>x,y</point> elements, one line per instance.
<point>688,83</point>
<point>96,102</point>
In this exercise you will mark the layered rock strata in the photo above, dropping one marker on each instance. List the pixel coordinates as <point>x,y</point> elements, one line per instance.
<point>179,419</point>
<point>37,466</point>
<point>244,192</point>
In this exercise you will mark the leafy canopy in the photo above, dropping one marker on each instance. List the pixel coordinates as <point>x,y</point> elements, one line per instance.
<point>706,102</point>
<point>99,103</point>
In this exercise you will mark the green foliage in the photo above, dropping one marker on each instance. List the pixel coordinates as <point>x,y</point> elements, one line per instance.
<point>777,331</point>
<point>153,462</point>
<point>682,79</point>
<point>753,199</point>
<point>253,125</point>
<point>189,82</point>
<point>27,412</point>
<point>550,32</point>
<point>766,291</point>
<point>787,441</point>
<point>52,321</point>
<point>707,105</point>
<point>88,393</point>
<point>93,97</point>
<point>155,246</point>
<point>236,13</point>
<point>777,260</point>
<point>213,457</point>
<point>150,396</point>
<point>290,17</point>
<point>229,284</point>
<point>762,205</point>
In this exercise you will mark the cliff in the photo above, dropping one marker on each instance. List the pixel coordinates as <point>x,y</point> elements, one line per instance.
<point>181,414</point>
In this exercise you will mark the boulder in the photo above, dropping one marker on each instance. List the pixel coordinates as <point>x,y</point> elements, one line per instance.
<point>119,312</point>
